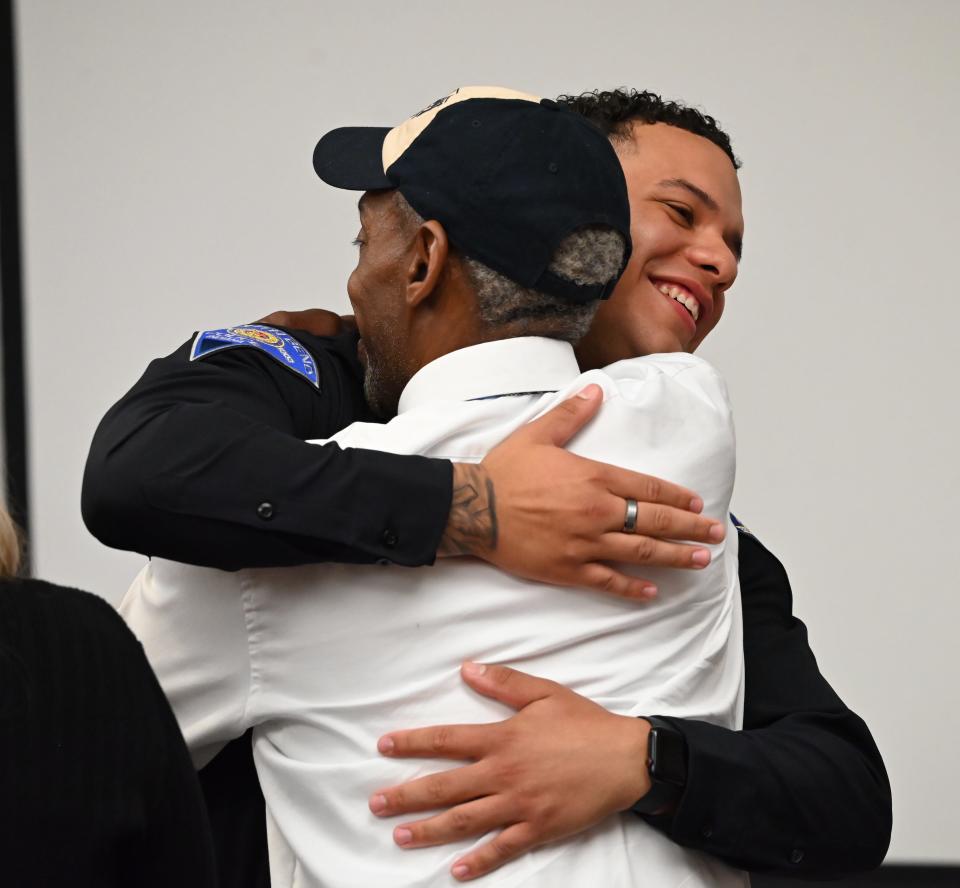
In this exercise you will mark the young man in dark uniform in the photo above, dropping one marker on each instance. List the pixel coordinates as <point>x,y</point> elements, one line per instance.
<point>203,461</point>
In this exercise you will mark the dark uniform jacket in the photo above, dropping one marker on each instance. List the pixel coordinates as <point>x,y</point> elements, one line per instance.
<point>204,462</point>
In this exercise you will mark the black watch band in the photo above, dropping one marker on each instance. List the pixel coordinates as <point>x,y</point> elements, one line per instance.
<point>667,766</point>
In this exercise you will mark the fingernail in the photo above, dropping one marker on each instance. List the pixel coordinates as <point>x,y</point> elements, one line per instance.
<point>696,504</point>
<point>378,803</point>
<point>701,557</point>
<point>649,592</point>
<point>717,532</point>
<point>402,836</point>
<point>589,393</point>
<point>475,669</point>
<point>460,870</point>
<point>385,745</point>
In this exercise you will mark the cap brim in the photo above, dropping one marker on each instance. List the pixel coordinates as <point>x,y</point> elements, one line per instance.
<point>351,157</point>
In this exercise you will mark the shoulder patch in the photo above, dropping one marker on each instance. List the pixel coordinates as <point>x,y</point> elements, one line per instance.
<point>739,526</point>
<point>280,345</point>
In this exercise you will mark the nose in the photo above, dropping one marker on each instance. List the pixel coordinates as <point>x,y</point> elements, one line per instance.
<point>712,254</point>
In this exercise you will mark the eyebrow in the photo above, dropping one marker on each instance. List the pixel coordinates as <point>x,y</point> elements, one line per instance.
<point>736,242</point>
<point>693,189</point>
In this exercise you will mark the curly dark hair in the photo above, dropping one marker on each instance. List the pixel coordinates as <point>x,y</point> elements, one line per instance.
<point>614,112</point>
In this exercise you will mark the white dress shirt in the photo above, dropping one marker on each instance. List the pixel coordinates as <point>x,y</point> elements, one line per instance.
<point>321,660</point>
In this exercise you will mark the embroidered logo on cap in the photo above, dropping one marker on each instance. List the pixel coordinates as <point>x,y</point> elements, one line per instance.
<point>281,346</point>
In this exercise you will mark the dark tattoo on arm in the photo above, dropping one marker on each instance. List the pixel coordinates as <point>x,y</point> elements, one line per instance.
<point>472,525</point>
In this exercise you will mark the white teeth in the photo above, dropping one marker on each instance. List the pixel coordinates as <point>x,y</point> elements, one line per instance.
<point>683,297</point>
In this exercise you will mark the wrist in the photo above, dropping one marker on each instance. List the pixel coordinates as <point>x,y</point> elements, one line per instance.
<point>636,784</point>
<point>472,527</point>
<point>666,764</point>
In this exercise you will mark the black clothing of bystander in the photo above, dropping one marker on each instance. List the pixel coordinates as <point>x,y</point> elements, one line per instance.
<point>97,785</point>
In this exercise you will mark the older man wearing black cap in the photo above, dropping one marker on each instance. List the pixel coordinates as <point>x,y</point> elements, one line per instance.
<point>491,226</point>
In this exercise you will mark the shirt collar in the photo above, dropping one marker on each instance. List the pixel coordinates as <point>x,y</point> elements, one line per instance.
<point>505,367</point>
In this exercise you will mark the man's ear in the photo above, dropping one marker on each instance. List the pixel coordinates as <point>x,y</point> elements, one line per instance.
<point>431,251</point>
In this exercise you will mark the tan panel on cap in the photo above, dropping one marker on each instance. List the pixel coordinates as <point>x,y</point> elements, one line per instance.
<point>401,137</point>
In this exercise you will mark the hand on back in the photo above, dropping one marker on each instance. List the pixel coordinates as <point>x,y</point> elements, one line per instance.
<point>537,511</point>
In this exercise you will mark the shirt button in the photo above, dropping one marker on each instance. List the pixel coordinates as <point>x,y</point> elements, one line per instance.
<point>389,539</point>
<point>706,831</point>
<point>796,855</point>
<point>265,511</point>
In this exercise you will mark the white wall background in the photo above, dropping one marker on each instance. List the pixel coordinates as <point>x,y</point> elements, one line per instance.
<point>168,186</point>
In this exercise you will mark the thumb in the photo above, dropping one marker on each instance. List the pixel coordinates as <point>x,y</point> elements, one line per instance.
<point>516,689</point>
<point>561,423</point>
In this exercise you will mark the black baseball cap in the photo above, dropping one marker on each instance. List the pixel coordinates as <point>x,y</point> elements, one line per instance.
<point>509,175</point>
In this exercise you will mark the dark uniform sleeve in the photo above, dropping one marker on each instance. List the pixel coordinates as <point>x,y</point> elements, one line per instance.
<point>206,462</point>
<point>802,790</point>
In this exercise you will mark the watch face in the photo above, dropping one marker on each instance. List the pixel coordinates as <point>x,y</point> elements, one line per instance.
<point>668,757</point>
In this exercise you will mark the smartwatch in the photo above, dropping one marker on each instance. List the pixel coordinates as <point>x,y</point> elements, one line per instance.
<point>667,766</point>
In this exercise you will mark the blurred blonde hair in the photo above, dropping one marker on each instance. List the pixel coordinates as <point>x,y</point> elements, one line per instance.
<point>10,545</point>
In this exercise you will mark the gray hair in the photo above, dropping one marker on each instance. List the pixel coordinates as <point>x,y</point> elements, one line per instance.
<point>590,255</point>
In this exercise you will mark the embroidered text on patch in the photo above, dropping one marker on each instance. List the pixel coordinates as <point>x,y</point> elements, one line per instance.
<point>281,346</point>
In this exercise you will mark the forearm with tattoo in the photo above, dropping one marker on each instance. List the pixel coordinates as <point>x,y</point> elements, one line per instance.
<point>472,525</point>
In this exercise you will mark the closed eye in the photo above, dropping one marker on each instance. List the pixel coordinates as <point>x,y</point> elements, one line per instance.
<point>684,212</point>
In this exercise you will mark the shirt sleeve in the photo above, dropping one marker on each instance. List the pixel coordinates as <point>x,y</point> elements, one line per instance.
<point>205,462</point>
<point>802,789</point>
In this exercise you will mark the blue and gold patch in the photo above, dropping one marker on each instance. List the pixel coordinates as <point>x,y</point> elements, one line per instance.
<point>279,345</point>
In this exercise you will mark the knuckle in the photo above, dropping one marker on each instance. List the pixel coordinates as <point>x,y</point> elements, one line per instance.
<point>594,510</point>
<point>436,788</point>
<point>501,674</point>
<point>505,847</point>
<point>594,473</point>
<point>525,837</point>
<point>527,802</point>
<point>661,519</point>
<point>644,549</point>
<point>611,584</point>
<point>654,489</point>
<point>572,552</point>
<point>505,773</point>
<point>568,407</point>
<point>440,741</point>
<point>461,821</point>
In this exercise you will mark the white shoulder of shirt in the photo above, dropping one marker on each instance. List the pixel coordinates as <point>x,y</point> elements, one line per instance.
<point>671,364</point>
<point>668,370</point>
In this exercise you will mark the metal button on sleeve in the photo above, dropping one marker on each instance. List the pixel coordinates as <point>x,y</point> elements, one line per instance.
<point>265,511</point>
<point>389,538</point>
<point>796,855</point>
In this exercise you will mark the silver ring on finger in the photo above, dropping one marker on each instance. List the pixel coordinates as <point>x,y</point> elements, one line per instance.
<point>630,518</point>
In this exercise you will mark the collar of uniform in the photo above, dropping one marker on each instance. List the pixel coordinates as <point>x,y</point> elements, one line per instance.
<point>505,367</point>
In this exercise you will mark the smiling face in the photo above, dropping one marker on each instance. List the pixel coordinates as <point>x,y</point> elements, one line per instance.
<point>686,223</point>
